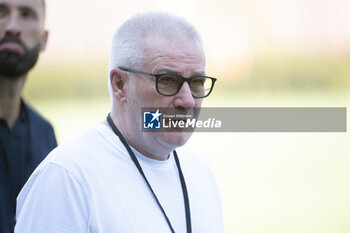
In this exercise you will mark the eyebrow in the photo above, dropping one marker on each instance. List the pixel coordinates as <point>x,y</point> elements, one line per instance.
<point>28,8</point>
<point>20,7</point>
<point>168,71</point>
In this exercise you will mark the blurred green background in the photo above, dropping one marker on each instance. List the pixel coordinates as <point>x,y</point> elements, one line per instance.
<point>264,53</point>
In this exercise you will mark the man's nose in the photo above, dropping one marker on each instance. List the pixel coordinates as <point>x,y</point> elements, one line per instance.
<point>13,26</point>
<point>184,98</point>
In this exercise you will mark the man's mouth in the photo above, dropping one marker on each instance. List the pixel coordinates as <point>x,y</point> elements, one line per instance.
<point>11,47</point>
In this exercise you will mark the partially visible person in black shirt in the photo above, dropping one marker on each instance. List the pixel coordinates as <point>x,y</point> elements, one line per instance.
<point>25,137</point>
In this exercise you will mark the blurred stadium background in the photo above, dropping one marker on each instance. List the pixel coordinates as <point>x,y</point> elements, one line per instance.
<point>264,53</point>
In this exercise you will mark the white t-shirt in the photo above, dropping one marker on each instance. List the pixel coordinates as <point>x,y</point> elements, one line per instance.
<point>91,185</point>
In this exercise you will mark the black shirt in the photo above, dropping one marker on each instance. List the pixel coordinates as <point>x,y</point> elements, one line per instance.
<point>21,150</point>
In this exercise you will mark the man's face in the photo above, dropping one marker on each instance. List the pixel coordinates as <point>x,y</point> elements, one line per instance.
<point>22,35</point>
<point>181,57</point>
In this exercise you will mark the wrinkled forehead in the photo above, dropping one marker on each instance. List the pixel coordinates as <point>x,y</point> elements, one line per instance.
<point>186,51</point>
<point>37,5</point>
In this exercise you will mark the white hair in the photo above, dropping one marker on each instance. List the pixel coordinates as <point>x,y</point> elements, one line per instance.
<point>128,41</point>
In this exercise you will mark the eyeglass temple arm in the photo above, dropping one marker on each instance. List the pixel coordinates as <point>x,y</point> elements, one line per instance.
<point>135,71</point>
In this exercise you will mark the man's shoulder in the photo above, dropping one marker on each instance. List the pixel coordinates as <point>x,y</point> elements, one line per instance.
<point>90,143</point>
<point>87,151</point>
<point>35,117</point>
<point>42,133</point>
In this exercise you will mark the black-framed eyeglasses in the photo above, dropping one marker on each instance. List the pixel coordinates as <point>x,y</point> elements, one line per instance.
<point>169,84</point>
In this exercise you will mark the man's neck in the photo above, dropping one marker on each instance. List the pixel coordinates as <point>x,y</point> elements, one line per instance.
<point>160,155</point>
<point>10,98</point>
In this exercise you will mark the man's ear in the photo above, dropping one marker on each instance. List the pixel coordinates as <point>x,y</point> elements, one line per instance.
<point>43,40</point>
<point>118,80</point>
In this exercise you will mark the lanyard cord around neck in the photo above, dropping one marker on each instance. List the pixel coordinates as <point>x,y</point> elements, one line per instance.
<point>28,158</point>
<point>137,164</point>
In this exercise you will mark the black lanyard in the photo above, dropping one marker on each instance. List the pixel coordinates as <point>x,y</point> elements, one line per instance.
<point>28,158</point>
<point>137,164</point>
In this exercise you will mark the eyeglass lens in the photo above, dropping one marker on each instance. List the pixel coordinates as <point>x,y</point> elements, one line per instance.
<point>169,85</point>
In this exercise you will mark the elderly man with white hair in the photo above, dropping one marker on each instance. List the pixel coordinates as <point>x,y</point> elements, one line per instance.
<point>116,177</point>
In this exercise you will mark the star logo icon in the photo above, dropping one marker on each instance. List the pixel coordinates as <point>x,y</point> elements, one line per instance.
<point>156,115</point>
